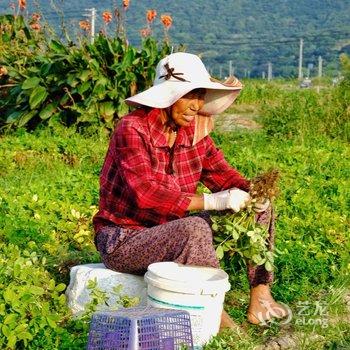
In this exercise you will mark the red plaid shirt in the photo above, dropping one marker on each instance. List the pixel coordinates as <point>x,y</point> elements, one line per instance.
<point>144,182</point>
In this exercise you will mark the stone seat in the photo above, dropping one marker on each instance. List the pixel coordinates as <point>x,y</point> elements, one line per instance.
<point>78,294</point>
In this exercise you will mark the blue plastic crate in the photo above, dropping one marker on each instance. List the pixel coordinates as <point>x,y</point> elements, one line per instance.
<point>141,328</point>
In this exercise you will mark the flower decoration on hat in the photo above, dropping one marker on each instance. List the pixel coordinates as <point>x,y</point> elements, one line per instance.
<point>170,73</point>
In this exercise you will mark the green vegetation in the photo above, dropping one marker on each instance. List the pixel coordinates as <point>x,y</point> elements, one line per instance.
<point>49,191</point>
<point>83,84</point>
<point>248,32</point>
<point>240,233</point>
<point>50,182</point>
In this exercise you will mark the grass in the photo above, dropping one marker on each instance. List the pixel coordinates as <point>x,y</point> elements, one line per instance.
<point>49,182</point>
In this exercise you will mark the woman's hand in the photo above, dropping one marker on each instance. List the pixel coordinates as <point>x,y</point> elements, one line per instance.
<point>234,199</point>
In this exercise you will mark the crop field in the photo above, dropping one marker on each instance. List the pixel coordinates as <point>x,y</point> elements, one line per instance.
<point>58,105</point>
<point>49,192</point>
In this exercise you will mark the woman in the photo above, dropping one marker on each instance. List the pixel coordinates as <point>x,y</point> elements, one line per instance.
<point>156,157</point>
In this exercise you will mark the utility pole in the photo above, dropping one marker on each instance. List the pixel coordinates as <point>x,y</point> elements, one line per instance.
<point>320,62</point>
<point>92,16</point>
<point>300,73</point>
<point>319,73</point>
<point>220,74</point>
<point>230,68</point>
<point>269,71</point>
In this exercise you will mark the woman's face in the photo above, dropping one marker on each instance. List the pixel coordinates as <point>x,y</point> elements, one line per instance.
<point>184,110</point>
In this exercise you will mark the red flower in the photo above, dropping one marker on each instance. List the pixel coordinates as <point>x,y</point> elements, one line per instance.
<point>85,25</point>
<point>22,4</point>
<point>35,26</point>
<point>166,20</point>
<point>126,4</point>
<point>151,15</point>
<point>36,17</point>
<point>145,32</point>
<point>107,17</point>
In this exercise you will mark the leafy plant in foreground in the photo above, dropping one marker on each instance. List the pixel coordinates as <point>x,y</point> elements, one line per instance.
<point>31,302</point>
<point>100,300</point>
<point>240,233</point>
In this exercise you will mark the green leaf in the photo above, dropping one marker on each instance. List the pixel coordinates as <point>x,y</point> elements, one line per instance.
<point>268,266</point>
<point>118,289</point>
<point>13,116</point>
<point>48,110</point>
<point>26,117</point>
<point>11,318</point>
<point>235,235</point>
<point>92,283</point>
<point>36,290</point>
<point>37,97</point>
<point>57,47</point>
<point>84,75</point>
<point>256,258</point>
<point>228,227</point>
<point>219,252</point>
<point>254,238</point>
<point>9,294</point>
<point>51,322</point>
<point>84,87</point>
<point>20,328</point>
<point>60,287</point>
<point>11,341</point>
<point>6,331</point>
<point>128,59</point>
<point>72,80</point>
<point>30,83</point>
<point>52,284</point>
<point>107,110</point>
<point>45,69</point>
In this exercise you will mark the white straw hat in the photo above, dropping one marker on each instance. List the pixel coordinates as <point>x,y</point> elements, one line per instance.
<point>178,74</point>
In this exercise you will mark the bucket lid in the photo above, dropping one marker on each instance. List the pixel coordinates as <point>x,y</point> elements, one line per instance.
<point>187,279</point>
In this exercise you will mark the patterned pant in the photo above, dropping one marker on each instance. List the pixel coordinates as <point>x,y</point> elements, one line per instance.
<point>187,241</point>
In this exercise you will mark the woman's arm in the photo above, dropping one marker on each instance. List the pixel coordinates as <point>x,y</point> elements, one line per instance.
<point>197,202</point>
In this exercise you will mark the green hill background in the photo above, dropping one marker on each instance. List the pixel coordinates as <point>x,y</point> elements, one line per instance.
<point>250,33</point>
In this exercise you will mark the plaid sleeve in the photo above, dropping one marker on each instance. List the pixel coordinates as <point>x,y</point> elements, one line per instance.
<point>218,174</point>
<point>135,167</point>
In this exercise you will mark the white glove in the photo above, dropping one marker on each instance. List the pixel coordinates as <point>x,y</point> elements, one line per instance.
<point>234,199</point>
<point>260,207</point>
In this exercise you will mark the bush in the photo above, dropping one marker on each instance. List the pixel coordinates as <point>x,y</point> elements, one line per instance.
<point>308,113</point>
<point>31,302</point>
<point>83,84</point>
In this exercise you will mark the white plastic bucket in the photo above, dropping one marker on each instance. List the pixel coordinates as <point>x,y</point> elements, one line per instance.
<point>198,290</point>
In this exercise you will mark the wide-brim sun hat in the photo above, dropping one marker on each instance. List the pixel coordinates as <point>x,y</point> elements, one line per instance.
<point>179,73</point>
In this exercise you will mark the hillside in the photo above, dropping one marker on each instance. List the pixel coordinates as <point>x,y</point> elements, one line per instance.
<point>250,33</point>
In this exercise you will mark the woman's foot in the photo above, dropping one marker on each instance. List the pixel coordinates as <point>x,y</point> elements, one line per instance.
<point>263,307</point>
